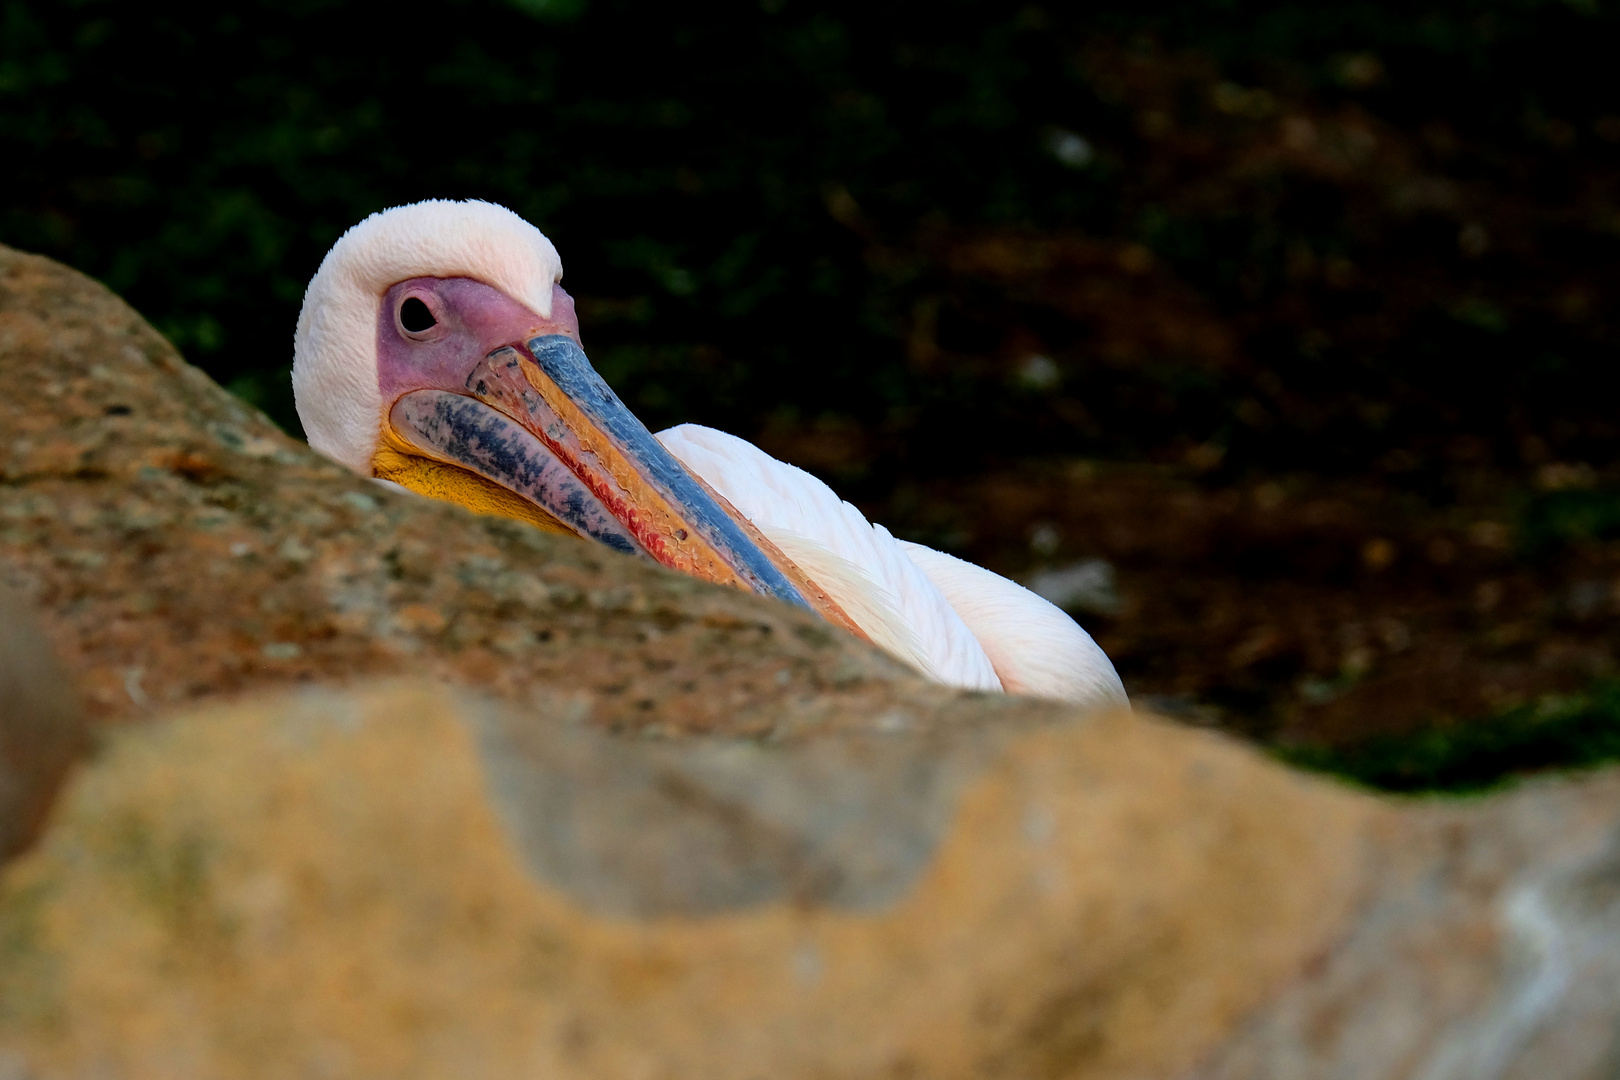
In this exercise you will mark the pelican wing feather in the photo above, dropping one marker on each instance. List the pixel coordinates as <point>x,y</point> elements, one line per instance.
<point>787,502</point>
<point>1033,645</point>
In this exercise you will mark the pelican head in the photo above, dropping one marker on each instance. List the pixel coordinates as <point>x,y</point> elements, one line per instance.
<point>436,349</point>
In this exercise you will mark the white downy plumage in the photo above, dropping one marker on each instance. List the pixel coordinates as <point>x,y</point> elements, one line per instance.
<point>956,622</point>
<point>334,373</point>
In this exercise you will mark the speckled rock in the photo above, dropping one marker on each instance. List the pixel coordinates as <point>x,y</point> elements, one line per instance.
<point>409,881</point>
<point>179,547</point>
<point>1489,950</point>
<point>42,727</point>
<point>402,882</point>
<point>618,823</point>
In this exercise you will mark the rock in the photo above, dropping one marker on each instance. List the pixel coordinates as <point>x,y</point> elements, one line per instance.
<point>179,548</point>
<point>404,881</point>
<point>1490,950</point>
<point>42,727</point>
<point>622,823</point>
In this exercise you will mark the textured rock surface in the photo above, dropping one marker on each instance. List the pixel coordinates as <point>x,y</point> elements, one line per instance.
<point>42,727</point>
<point>660,829</point>
<point>331,884</point>
<point>402,880</point>
<point>1490,951</point>
<point>179,547</point>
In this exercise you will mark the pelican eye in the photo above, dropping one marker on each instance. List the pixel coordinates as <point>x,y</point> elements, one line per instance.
<point>415,317</point>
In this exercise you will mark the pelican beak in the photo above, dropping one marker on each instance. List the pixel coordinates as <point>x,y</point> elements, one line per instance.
<point>536,420</point>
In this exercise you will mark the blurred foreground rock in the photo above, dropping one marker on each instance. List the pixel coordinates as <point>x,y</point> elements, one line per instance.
<point>652,828</point>
<point>405,881</point>
<point>402,883</point>
<point>42,727</point>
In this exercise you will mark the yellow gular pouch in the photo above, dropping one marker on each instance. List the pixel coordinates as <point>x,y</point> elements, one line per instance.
<point>403,464</point>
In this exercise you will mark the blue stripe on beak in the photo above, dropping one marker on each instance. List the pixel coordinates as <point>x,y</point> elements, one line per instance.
<point>564,362</point>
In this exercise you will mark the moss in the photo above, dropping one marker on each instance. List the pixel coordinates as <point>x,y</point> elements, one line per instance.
<point>27,969</point>
<point>1571,732</point>
<point>172,874</point>
<point>1561,519</point>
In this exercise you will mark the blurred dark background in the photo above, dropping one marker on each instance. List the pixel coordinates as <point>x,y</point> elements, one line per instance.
<point>1276,341</point>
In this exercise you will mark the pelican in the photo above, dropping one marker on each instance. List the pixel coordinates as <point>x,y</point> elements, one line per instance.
<point>436,350</point>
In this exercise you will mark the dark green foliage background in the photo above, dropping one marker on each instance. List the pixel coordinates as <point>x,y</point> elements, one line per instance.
<point>681,156</point>
<point>744,195</point>
<point>1577,731</point>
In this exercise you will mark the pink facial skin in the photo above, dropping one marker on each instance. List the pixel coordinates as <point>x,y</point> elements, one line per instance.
<point>494,431</point>
<point>472,320</point>
<point>498,433</point>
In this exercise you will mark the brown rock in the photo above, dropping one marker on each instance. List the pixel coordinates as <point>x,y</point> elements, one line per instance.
<point>1490,951</point>
<point>810,863</point>
<point>400,882</point>
<point>179,547</point>
<point>42,727</point>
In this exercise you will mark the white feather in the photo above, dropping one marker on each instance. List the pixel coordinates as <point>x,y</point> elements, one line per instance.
<point>1033,645</point>
<point>954,621</point>
<point>957,622</point>
<point>779,498</point>
<point>335,349</point>
<point>872,607</point>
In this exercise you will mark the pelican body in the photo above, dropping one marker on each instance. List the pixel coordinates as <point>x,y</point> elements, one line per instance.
<point>436,350</point>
